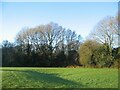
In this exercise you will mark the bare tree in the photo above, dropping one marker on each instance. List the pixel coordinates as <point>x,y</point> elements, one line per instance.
<point>23,38</point>
<point>47,40</point>
<point>72,40</point>
<point>106,31</point>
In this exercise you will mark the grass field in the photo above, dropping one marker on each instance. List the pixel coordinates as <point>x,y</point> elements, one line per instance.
<point>59,78</point>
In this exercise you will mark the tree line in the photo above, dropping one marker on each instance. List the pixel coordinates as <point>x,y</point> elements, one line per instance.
<point>52,45</point>
<point>44,45</point>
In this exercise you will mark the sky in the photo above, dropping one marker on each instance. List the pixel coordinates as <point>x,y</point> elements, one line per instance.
<point>77,16</point>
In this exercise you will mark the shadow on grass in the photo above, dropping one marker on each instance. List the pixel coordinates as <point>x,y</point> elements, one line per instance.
<point>48,80</point>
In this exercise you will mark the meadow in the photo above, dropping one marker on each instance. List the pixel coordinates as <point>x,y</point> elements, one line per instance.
<point>29,77</point>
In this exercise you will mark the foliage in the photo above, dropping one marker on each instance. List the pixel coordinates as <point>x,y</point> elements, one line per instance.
<point>86,51</point>
<point>94,54</point>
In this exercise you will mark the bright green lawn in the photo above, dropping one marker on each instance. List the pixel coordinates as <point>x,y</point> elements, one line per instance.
<point>59,78</point>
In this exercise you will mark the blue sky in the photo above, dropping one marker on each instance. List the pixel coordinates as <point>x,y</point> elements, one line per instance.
<point>80,16</point>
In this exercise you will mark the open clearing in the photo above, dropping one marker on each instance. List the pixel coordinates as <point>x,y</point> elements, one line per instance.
<point>59,78</point>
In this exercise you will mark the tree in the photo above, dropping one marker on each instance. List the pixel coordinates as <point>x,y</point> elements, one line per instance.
<point>86,52</point>
<point>7,53</point>
<point>72,40</point>
<point>47,40</point>
<point>73,58</point>
<point>101,56</point>
<point>95,54</point>
<point>116,55</point>
<point>106,32</point>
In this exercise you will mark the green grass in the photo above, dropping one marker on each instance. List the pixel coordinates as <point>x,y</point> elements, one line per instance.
<point>59,78</point>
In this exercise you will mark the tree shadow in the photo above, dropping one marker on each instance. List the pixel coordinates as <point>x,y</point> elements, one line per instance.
<point>49,80</point>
